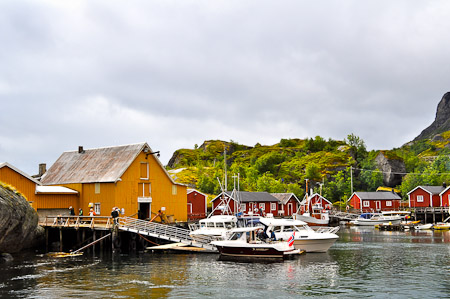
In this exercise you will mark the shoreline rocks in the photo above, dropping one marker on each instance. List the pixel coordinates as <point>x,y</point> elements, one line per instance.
<point>19,227</point>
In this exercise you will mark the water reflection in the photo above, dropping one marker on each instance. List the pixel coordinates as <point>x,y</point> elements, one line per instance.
<point>363,263</point>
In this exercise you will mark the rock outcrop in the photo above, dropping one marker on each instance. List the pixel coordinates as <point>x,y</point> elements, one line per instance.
<point>441,122</point>
<point>19,227</point>
<point>393,169</point>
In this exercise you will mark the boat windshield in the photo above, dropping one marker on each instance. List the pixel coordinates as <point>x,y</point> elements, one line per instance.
<point>219,224</point>
<point>202,224</point>
<point>229,224</point>
<point>236,235</point>
<point>210,224</point>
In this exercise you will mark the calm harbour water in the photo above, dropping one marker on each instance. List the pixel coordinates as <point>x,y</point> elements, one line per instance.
<point>363,263</point>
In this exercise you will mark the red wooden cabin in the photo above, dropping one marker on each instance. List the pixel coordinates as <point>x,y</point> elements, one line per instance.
<point>196,204</point>
<point>445,197</point>
<point>315,202</point>
<point>375,201</point>
<point>425,196</point>
<point>278,204</point>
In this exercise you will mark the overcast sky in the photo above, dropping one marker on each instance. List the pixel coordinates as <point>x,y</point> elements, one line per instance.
<point>176,73</point>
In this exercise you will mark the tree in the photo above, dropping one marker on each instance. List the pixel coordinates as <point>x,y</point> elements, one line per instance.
<point>312,172</point>
<point>357,147</point>
<point>267,183</point>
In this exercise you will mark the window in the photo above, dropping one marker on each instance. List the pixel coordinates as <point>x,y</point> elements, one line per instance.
<point>261,206</point>
<point>388,203</point>
<point>174,189</point>
<point>243,207</point>
<point>145,190</point>
<point>366,204</point>
<point>97,188</point>
<point>419,198</point>
<point>144,171</point>
<point>97,208</point>
<point>273,206</point>
<point>280,207</point>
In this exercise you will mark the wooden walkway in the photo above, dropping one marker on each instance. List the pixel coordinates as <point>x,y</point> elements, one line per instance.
<point>129,224</point>
<point>93,222</point>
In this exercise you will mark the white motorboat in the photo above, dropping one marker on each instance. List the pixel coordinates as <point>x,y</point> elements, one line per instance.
<point>306,238</point>
<point>376,219</point>
<point>423,226</point>
<point>248,244</point>
<point>214,227</point>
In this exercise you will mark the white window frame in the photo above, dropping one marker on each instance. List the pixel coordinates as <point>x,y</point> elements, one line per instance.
<point>366,204</point>
<point>273,206</point>
<point>142,192</point>
<point>97,188</point>
<point>388,203</point>
<point>243,207</point>
<point>262,206</point>
<point>97,208</point>
<point>419,198</point>
<point>147,177</point>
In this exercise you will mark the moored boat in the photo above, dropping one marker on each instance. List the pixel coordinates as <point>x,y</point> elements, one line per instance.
<point>214,227</point>
<point>376,219</point>
<point>249,244</point>
<point>423,226</point>
<point>306,238</point>
<point>442,225</point>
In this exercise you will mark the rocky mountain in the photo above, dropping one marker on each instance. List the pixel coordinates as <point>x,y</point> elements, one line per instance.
<point>19,227</point>
<point>441,122</point>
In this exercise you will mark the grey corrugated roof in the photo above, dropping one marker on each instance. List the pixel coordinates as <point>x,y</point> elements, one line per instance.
<point>100,165</point>
<point>433,189</point>
<point>284,197</point>
<point>378,195</point>
<point>246,196</point>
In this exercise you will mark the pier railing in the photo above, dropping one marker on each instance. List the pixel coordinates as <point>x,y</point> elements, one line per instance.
<point>163,231</point>
<point>97,222</point>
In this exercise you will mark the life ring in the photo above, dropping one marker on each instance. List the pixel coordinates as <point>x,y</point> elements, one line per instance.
<point>323,217</point>
<point>324,211</point>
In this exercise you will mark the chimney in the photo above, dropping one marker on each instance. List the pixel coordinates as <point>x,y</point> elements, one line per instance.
<point>80,149</point>
<point>444,184</point>
<point>42,169</point>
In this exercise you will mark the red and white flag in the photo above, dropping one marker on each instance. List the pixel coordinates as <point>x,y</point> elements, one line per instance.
<point>291,239</point>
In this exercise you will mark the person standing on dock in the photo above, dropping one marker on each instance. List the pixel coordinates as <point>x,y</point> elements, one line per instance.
<point>72,211</point>
<point>115,214</point>
<point>80,212</point>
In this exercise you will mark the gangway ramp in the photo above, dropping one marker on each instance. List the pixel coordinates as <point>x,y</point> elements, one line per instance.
<point>344,215</point>
<point>163,231</point>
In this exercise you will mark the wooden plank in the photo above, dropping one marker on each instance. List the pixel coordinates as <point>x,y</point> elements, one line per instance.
<point>168,246</point>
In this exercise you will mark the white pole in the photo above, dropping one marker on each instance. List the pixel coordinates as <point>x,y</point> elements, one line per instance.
<point>351,179</point>
<point>225,165</point>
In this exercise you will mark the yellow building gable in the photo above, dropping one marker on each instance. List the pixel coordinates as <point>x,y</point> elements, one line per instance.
<point>128,177</point>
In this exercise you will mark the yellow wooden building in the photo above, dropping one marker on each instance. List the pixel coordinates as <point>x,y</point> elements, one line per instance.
<point>129,177</point>
<point>46,200</point>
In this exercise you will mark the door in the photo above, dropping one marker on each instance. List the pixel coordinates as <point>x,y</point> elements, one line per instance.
<point>289,209</point>
<point>144,210</point>
<point>378,205</point>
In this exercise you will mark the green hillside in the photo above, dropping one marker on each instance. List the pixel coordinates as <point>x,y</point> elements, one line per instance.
<point>285,166</point>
